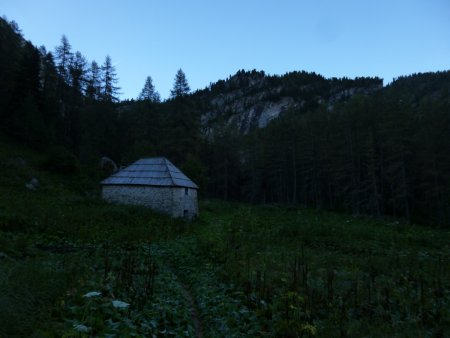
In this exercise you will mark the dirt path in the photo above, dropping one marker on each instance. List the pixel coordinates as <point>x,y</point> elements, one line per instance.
<point>193,310</point>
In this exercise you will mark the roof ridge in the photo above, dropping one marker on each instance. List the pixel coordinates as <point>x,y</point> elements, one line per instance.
<point>167,162</point>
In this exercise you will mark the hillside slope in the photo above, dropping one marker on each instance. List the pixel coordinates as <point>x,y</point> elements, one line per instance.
<point>250,99</point>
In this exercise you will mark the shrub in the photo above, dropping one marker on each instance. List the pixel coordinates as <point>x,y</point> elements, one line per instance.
<point>27,291</point>
<point>61,161</point>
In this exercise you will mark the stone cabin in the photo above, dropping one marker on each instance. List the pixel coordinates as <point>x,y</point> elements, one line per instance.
<point>155,183</point>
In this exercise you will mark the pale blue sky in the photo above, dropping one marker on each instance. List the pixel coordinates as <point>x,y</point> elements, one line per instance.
<point>211,40</point>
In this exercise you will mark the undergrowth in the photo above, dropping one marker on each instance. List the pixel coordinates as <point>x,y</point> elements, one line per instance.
<point>72,265</point>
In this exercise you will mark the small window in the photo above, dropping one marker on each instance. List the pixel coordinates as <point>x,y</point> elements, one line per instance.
<point>186,191</point>
<point>185,213</point>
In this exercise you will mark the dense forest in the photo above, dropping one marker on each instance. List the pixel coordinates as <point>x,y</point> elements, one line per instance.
<point>340,144</point>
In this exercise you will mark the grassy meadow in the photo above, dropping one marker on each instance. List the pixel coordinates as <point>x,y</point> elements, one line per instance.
<point>74,266</point>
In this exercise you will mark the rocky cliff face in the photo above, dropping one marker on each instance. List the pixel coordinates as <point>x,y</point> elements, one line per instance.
<point>249,100</point>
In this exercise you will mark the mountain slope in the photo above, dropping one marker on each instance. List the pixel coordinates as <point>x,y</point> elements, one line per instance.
<point>250,100</point>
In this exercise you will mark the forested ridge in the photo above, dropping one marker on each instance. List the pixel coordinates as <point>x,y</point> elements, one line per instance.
<point>340,144</point>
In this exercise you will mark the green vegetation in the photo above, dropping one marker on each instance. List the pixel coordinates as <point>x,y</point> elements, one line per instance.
<point>73,266</point>
<point>342,144</point>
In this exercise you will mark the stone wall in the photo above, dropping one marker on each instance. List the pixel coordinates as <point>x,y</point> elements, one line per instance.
<point>169,200</point>
<point>185,202</point>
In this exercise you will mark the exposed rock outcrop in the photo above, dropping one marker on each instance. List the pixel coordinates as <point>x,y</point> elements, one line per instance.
<point>249,100</point>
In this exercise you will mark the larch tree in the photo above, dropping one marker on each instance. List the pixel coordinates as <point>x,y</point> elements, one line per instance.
<point>109,81</point>
<point>180,85</point>
<point>77,71</point>
<point>63,56</point>
<point>149,93</point>
<point>94,85</point>
<point>49,85</point>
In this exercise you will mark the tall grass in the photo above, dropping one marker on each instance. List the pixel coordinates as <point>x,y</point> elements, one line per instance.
<point>266,271</point>
<point>306,272</point>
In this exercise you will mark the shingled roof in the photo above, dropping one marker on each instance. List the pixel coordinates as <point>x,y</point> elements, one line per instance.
<point>158,171</point>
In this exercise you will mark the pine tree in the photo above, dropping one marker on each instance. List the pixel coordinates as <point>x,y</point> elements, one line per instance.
<point>93,88</point>
<point>77,71</point>
<point>10,56</point>
<point>148,92</point>
<point>49,85</point>
<point>109,80</point>
<point>64,57</point>
<point>180,86</point>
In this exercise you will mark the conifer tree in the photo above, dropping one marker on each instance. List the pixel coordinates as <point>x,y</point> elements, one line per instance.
<point>77,71</point>
<point>180,85</point>
<point>93,88</point>
<point>109,81</point>
<point>49,85</point>
<point>148,93</point>
<point>63,55</point>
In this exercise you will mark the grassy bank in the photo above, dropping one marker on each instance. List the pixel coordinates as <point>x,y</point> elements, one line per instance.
<point>72,265</point>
